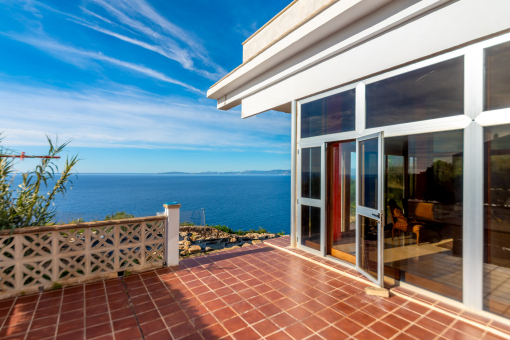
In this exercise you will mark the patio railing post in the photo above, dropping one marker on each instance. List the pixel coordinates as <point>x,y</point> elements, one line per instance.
<point>172,233</point>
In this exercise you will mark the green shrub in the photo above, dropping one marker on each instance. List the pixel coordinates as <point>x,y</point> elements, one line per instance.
<point>31,203</point>
<point>119,215</point>
<point>187,224</point>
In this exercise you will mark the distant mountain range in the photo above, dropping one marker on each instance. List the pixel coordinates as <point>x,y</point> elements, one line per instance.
<point>246,172</point>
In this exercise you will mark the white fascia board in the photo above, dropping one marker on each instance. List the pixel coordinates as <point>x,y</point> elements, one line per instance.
<point>230,92</point>
<point>432,34</point>
<point>326,23</point>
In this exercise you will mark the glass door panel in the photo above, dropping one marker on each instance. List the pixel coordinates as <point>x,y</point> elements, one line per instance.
<point>341,223</point>
<point>310,210</point>
<point>369,235</point>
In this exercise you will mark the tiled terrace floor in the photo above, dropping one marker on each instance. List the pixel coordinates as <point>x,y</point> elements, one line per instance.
<point>257,292</point>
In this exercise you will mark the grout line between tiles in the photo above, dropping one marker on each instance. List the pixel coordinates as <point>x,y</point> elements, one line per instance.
<point>132,308</point>
<point>109,311</point>
<point>33,313</point>
<point>59,313</point>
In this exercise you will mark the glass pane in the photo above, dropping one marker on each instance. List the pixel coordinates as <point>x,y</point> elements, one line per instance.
<point>311,227</point>
<point>368,243</point>
<point>496,278</point>
<point>342,200</point>
<point>369,172</point>
<point>331,114</point>
<point>431,92</point>
<point>497,77</point>
<point>424,203</point>
<point>311,172</point>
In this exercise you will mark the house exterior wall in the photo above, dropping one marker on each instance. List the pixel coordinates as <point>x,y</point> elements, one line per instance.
<point>455,24</point>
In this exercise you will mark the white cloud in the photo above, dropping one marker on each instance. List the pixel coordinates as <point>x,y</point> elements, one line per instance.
<point>130,118</point>
<point>72,54</point>
<point>163,33</point>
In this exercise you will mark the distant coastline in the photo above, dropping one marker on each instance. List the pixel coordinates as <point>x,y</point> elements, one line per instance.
<point>246,172</point>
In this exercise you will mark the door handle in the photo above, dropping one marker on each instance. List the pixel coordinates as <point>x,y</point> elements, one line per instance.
<point>377,215</point>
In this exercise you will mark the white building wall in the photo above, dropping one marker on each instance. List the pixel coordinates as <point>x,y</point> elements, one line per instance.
<point>452,25</point>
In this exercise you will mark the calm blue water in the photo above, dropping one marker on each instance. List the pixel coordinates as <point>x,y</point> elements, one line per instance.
<point>240,202</point>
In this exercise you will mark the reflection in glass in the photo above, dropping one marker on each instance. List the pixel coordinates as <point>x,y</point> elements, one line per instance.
<point>342,200</point>
<point>424,202</point>
<point>368,244</point>
<point>328,115</point>
<point>311,227</point>
<point>368,164</point>
<point>311,172</point>
<point>496,270</point>
<point>497,77</point>
<point>431,92</point>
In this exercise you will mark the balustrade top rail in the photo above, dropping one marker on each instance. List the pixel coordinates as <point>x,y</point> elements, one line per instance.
<point>83,225</point>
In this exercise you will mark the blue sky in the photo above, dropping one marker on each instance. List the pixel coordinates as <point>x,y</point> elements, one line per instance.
<point>127,80</point>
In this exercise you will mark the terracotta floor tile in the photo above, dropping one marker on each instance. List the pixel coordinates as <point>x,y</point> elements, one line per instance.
<point>246,334</point>
<point>75,335</point>
<point>232,298</point>
<point>283,320</point>
<point>66,327</point>
<point>281,335</point>
<point>270,309</point>
<point>362,318</point>
<point>241,307</point>
<point>224,313</point>
<point>440,317</point>
<point>383,330</point>
<point>343,308</point>
<point>355,302</point>
<point>258,301</point>
<point>97,319</point>
<point>265,327</point>
<point>403,336</point>
<point>285,303</point>
<point>262,289</point>
<point>121,313</point>
<point>375,311</point>
<point>467,328</point>
<point>215,332</point>
<point>313,306</point>
<point>248,293</point>
<point>223,291</point>
<point>181,330</point>
<point>314,323</point>
<point>274,295</point>
<point>99,309</point>
<point>368,335</point>
<point>396,321</point>
<point>431,325</point>
<point>129,334</point>
<point>215,304</point>
<point>161,335</point>
<point>96,331</point>
<point>234,324</point>
<point>348,326</point>
<point>253,316</point>
<point>420,333</point>
<point>330,315</point>
<point>146,317</point>
<point>332,333</point>
<point>126,323</point>
<point>195,311</point>
<point>406,314</point>
<point>204,321</point>
<point>298,331</point>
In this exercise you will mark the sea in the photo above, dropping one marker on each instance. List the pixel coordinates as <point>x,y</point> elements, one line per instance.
<point>237,201</point>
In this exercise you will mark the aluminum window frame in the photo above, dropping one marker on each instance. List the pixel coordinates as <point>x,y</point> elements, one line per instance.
<point>471,122</point>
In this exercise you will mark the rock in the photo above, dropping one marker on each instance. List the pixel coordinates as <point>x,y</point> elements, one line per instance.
<point>233,240</point>
<point>208,249</point>
<point>187,243</point>
<point>256,242</point>
<point>235,247</point>
<point>181,242</point>
<point>183,253</point>
<point>246,244</point>
<point>194,249</point>
<point>182,247</point>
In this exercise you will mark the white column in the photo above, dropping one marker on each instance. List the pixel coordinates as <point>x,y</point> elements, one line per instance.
<point>293,155</point>
<point>172,233</point>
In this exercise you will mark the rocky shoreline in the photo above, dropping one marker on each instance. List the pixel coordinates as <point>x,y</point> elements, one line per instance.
<point>197,240</point>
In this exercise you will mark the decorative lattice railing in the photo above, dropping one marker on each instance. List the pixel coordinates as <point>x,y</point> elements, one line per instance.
<point>38,257</point>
